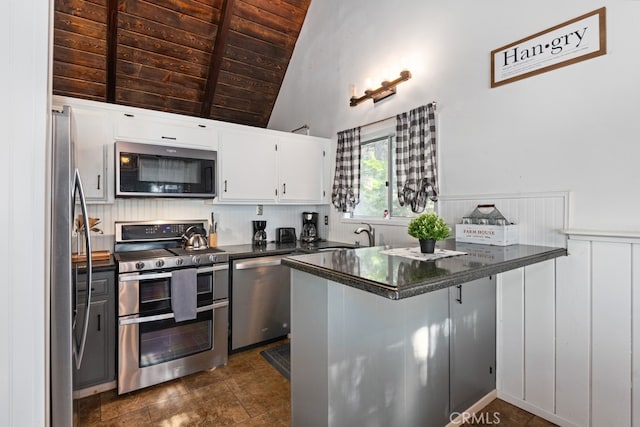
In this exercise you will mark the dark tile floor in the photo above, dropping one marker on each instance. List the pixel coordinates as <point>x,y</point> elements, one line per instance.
<point>246,392</point>
<point>502,414</point>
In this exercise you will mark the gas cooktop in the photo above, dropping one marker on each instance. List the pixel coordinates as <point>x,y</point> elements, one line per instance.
<point>157,245</point>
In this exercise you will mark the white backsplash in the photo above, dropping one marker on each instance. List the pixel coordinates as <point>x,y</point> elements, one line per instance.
<point>541,217</point>
<point>234,221</point>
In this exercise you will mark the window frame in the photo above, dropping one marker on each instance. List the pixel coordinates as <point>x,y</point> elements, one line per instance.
<point>371,138</point>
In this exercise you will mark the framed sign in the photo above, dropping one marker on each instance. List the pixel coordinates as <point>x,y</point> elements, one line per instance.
<point>573,41</point>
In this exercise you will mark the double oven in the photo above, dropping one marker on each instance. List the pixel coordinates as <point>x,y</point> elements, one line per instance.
<point>152,346</point>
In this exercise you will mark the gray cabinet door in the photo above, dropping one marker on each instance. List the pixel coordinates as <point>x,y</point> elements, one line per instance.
<point>473,342</point>
<point>94,363</point>
<point>98,363</point>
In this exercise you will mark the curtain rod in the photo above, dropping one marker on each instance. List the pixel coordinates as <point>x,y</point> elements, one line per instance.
<point>390,117</point>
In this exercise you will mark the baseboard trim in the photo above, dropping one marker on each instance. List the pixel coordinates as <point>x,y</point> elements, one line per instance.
<point>90,391</point>
<point>535,410</point>
<point>476,407</point>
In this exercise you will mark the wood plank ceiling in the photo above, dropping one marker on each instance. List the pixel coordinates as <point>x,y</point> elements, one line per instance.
<point>219,59</point>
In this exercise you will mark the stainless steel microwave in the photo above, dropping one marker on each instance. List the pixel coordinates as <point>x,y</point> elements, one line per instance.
<point>147,170</point>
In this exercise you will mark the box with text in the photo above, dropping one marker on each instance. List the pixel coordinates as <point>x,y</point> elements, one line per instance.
<point>499,235</point>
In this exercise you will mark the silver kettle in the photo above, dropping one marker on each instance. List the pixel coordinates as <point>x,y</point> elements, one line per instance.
<point>195,238</point>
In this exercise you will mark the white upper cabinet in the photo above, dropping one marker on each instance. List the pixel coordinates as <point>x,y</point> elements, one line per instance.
<point>301,169</point>
<point>160,129</point>
<point>262,166</point>
<point>254,165</point>
<point>92,138</point>
<point>247,161</point>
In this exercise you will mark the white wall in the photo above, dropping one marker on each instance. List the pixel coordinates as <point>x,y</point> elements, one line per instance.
<point>573,129</point>
<point>23,116</point>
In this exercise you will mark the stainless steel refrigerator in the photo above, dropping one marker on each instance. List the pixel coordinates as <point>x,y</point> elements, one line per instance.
<point>68,324</point>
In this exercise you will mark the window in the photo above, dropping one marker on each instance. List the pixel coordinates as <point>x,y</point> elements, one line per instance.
<point>378,181</point>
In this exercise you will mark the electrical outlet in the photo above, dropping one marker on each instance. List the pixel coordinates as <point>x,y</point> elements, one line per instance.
<point>326,220</point>
<point>259,210</point>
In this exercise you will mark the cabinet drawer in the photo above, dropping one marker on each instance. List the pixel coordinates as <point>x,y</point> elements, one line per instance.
<point>100,283</point>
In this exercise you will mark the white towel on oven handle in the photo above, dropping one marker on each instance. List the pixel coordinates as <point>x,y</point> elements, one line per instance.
<point>184,294</point>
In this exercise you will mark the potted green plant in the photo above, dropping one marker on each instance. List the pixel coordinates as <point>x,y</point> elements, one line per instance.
<point>428,228</point>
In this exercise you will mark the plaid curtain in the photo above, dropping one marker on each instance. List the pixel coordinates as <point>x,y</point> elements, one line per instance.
<point>416,166</point>
<point>346,182</point>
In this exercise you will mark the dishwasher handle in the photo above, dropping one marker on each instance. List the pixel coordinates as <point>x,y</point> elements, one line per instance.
<point>258,262</point>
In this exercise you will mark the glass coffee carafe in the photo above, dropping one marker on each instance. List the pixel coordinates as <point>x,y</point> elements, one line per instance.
<point>259,233</point>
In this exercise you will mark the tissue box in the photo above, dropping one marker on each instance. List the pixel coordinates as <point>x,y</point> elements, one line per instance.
<point>498,235</point>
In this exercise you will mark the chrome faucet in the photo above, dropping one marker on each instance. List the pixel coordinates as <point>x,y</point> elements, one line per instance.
<point>371,233</point>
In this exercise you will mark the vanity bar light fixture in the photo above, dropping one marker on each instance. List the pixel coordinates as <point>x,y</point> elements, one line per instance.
<point>386,89</point>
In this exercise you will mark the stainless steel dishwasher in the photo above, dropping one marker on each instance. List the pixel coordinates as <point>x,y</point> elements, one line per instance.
<point>260,300</point>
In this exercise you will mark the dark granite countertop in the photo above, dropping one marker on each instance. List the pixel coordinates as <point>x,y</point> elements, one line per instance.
<point>396,277</point>
<point>98,265</point>
<point>251,251</point>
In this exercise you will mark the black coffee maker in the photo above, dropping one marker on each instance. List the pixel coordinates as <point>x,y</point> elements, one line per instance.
<point>259,235</point>
<point>309,227</point>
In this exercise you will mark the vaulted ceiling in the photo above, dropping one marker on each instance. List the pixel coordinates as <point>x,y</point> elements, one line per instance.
<point>219,59</point>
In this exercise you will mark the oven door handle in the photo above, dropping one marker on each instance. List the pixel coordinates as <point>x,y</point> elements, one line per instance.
<point>164,275</point>
<point>165,316</point>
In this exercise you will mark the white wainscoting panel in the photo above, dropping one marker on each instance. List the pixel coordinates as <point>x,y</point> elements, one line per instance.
<point>635,350</point>
<point>569,334</point>
<point>539,324</point>
<point>611,334</point>
<point>510,319</point>
<point>573,333</point>
<point>541,217</point>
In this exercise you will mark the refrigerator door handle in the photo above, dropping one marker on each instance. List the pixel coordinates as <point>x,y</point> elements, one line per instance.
<point>78,348</point>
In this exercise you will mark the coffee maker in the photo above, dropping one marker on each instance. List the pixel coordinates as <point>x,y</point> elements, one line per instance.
<point>309,227</point>
<point>259,235</point>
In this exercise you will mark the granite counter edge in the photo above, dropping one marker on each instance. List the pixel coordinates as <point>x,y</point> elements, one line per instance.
<point>393,293</point>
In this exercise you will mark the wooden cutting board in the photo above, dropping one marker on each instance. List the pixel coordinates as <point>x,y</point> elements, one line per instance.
<point>95,256</point>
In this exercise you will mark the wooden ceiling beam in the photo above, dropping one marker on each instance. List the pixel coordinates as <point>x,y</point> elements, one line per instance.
<point>112,49</point>
<point>217,56</point>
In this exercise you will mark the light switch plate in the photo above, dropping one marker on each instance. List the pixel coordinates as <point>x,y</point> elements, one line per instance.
<point>259,210</point>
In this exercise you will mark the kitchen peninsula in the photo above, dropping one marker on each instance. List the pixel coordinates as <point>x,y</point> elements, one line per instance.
<point>379,339</point>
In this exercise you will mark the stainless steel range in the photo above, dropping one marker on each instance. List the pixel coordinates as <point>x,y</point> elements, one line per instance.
<point>172,303</point>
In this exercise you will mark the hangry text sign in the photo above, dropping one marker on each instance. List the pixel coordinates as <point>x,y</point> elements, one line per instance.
<point>573,41</point>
